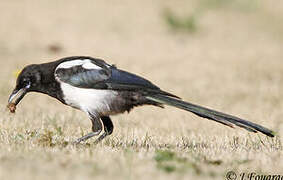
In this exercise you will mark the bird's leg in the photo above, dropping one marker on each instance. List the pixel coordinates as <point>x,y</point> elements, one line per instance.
<point>108,128</point>
<point>96,129</point>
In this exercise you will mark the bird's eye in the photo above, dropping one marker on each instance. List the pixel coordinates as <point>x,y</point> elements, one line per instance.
<point>26,82</point>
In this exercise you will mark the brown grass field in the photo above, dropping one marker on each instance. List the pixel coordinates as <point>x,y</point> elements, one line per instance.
<point>223,54</point>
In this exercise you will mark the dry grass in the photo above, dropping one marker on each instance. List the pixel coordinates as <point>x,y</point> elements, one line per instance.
<point>232,62</point>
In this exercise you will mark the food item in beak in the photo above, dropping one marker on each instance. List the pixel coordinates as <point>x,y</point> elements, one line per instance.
<point>12,107</point>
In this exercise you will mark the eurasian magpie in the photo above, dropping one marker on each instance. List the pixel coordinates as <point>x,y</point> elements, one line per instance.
<point>101,90</point>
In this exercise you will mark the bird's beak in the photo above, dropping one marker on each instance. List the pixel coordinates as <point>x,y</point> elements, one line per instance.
<point>17,96</point>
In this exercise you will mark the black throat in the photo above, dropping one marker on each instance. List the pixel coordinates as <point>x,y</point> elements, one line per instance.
<point>48,84</point>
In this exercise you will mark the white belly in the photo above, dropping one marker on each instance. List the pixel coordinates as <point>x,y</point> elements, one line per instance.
<point>89,100</point>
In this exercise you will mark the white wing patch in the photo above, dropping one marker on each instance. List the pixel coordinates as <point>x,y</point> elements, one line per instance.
<point>90,65</point>
<point>85,63</point>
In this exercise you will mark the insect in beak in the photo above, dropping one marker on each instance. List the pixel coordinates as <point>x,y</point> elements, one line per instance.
<point>17,95</point>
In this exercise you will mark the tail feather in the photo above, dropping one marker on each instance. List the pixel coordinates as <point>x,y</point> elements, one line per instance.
<point>220,117</point>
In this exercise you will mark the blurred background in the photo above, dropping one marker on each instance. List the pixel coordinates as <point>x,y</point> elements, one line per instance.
<point>221,53</point>
<point>224,54</point>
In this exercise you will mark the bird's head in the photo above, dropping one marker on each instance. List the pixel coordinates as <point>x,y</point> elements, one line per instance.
<point>28,80</point>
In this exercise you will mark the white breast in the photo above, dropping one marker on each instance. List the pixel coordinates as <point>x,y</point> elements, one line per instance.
<point>88,100</point>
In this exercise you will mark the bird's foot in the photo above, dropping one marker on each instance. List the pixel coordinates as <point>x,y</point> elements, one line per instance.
<point>89,135</point>
<point>100,138</point>
<point>84,138</point>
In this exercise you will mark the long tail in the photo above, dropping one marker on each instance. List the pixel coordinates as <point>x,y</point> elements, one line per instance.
<point>222,118</point>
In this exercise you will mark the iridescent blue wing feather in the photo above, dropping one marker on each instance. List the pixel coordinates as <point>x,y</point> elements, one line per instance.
<point>96,74</point>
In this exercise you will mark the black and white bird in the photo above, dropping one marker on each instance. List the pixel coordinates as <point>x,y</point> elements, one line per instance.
<point>101,90</point>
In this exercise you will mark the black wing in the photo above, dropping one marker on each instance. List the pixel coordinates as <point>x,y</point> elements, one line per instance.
<point>97,74</point>
<point>82,73</point>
